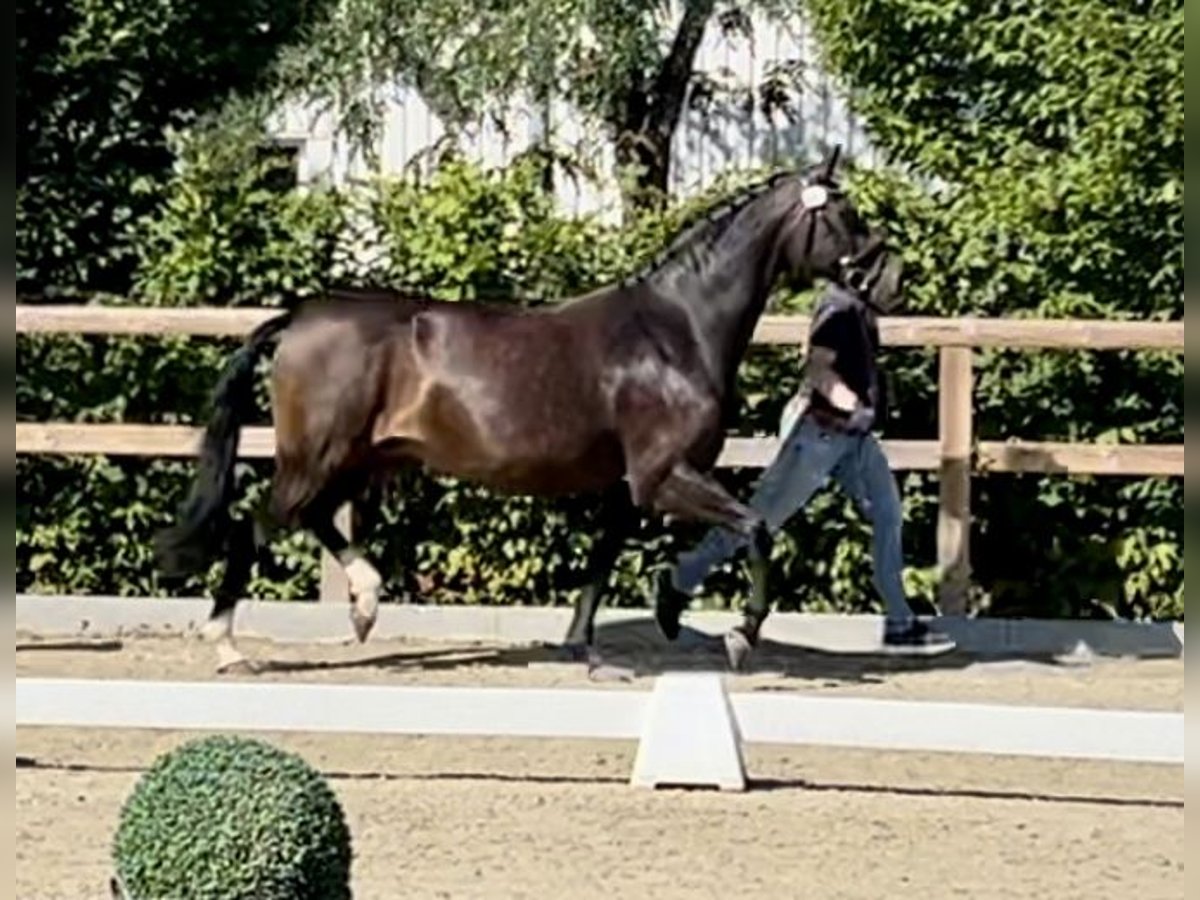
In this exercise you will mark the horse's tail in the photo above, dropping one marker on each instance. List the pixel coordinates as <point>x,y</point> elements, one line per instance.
<point>189,546</point>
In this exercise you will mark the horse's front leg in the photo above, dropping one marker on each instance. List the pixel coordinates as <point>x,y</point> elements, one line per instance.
<point>365,581</point>
<point>687,493</point>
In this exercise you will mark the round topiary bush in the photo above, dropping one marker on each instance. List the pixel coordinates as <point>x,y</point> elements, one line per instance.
<point>229,818</point>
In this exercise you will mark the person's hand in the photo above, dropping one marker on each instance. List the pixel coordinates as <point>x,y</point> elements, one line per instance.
<point>841,397</point>
<point>862,419</point>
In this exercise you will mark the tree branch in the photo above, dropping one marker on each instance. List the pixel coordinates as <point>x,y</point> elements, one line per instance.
<point>651,108</point>
<point>670,85</point>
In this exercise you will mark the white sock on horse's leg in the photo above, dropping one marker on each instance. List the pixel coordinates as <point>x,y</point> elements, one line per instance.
<point>220,629</point>
<point>365,584</point>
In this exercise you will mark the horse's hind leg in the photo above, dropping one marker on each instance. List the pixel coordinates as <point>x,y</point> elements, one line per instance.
<point>690,494</point>
<point>365,580</point>
<point>243,550</point>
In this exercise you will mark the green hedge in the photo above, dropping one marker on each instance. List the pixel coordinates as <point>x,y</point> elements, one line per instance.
<point>1043,545</point>
<point>99,86</point>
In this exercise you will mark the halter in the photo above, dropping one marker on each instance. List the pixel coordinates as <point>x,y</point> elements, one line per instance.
<point>861,272</point>
<point>858,273</point>
<point>814,201</point>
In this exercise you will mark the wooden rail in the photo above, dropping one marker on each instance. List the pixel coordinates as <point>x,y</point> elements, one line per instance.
<point>65,438</point>
<point>914,331</point>
<point>105,439</point>
<point>954,455</point>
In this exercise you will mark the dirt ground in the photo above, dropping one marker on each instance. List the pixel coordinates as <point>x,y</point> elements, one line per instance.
<point>500,818</point>
<point>1153,684</point>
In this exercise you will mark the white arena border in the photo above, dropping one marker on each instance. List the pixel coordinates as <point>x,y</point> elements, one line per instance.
<point>1052,732</point>
<point>309,621</point>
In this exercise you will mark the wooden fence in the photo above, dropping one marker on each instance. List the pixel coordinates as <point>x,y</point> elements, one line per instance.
<point>954,455</point>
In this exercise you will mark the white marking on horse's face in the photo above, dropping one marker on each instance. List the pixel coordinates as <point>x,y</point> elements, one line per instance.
<point>814,196</point>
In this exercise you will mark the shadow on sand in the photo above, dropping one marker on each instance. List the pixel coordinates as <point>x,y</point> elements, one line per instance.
<point>633,648</point>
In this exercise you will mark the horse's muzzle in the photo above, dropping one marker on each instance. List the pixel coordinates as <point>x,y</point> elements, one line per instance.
<point>886,292</point>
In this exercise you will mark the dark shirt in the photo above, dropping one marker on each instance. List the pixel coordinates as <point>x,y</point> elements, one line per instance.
<point>846,325</point>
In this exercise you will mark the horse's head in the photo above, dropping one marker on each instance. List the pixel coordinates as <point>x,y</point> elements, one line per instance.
<point>824,236</point>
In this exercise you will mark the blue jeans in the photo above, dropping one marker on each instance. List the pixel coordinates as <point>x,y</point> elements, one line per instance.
<point>809,457</point>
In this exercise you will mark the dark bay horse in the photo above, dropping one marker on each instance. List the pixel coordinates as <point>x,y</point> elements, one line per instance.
<point>619,393</point>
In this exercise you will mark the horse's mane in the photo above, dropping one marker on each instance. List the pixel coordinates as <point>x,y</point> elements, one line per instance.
<point>708,224</point>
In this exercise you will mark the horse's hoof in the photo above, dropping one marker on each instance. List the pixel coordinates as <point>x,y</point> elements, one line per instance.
<point>214,630</point>
<point>597,669</point>
<point>239,667</point>
<point>570,652</point>
<point>603,673</point>
<point>231,662</point>
<point>738,649</point>
<point>362,624</point>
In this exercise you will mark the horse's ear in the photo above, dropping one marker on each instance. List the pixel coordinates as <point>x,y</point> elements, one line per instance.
<point>829,167</point>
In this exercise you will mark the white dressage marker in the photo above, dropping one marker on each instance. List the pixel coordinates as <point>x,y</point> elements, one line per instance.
<point>690,737</point>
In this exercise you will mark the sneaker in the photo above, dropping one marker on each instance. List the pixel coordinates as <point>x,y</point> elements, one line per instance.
<point>916,639</point>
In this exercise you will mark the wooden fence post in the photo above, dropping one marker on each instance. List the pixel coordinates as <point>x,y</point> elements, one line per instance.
<point>955,379</point>
<point>335,587</point>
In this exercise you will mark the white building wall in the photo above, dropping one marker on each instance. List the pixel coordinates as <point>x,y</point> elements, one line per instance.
<point>731,134</point>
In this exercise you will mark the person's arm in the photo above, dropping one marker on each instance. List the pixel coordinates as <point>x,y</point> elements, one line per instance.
<point>861,416</point>
<point>827,382</point>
